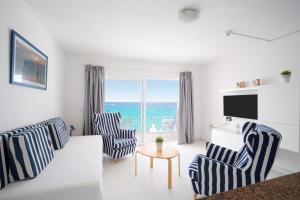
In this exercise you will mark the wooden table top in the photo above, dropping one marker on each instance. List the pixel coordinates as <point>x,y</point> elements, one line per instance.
<point>150,151</point>
<point>285,188</point>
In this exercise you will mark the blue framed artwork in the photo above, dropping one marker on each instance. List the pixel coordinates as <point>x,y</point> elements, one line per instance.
<point>28,65</point>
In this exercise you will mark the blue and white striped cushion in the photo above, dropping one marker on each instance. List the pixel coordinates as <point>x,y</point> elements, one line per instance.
<point>4,137</point>
<point>29,153</point>
<point>3,166</point>
<point>121,143</point>
<point>107,123</point>
<point>58,132</point>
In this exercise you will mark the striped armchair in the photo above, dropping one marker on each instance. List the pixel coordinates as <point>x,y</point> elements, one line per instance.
<point>116,142</point>
<point>223,169</point>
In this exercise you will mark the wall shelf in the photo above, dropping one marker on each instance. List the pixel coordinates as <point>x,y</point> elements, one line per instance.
<point>240,89</point>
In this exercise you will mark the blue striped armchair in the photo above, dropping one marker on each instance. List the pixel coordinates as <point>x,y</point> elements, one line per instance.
<point>116,142</point>
<point>222,169</point>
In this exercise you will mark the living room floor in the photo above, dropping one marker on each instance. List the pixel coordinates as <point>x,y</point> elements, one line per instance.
<point>119,181</point>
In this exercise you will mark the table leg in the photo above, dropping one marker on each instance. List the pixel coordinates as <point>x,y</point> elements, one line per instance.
<point>135,164</point>
<point>178,164</point>
<point>169,173</point>
<point>151,162</point>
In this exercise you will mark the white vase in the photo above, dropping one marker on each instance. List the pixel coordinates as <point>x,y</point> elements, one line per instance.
<point>286,78</point>
<point>159,146</point>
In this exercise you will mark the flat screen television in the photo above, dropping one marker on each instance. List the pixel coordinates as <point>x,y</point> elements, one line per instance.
<point>242,106</point>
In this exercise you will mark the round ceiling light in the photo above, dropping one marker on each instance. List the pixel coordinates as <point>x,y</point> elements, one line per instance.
<point>188,15</point>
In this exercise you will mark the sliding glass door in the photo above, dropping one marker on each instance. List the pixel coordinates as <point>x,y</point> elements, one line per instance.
<point>149,106</point>
<point>161,109</point>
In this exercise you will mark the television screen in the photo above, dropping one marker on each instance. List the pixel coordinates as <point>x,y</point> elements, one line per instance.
<point>243,106</point>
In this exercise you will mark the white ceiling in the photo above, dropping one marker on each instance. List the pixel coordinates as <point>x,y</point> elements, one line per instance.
<point>150,30</point>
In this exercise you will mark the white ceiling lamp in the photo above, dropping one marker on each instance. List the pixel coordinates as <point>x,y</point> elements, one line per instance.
<point>188,15</point>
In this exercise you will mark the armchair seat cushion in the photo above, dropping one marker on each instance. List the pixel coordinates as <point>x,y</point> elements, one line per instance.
<point>121,143</point>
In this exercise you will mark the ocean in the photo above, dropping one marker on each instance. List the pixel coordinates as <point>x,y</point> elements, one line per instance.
<point>160,116</point>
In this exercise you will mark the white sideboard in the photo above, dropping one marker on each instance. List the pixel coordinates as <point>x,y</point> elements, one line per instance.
<point>227,138</point>
<point>278,107</point>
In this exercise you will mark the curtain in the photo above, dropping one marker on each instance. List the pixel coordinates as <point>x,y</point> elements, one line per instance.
<point>94,95</point>
<point>186,124</point>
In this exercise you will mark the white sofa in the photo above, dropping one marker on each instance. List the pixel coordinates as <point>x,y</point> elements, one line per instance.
<point>75,173</point>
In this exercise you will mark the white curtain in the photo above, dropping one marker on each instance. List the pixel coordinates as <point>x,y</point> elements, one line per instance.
<point>94,95</point>
<point>186,123</point>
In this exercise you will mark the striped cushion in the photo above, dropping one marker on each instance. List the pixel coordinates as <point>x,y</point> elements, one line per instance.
<point>29,153</point>
<point>107,123</point>
<point>244,160</point>
<point>4,137</point>
<point>121,143</point>
<point>58,132</point>
<point>222,154</point>
<point>3,167</point>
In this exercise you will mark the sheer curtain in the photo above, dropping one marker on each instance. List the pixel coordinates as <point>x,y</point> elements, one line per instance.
<point>94,95</point>
<point>186,123</point>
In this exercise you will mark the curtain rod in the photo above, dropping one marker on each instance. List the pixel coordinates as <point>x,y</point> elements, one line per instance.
<point>231,32</point>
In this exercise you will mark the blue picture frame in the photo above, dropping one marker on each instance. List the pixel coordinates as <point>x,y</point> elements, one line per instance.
<point>28,64</point>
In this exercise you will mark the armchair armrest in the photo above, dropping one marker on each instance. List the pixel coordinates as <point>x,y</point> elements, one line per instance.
<point>222,154</point>
<point>215,176</point>
<point>108,140</point>
<point>127,133</point>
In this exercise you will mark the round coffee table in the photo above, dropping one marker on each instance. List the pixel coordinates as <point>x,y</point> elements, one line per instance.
<point>167,153</point>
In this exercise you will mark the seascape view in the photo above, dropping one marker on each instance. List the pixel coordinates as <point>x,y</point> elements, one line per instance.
<point>160,116</point>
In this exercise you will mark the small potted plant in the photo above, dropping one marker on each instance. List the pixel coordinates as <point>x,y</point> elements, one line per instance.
<point>159,142</point>
<point>286,76</point>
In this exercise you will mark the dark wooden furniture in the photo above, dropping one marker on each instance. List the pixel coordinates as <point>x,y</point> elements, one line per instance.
<point>285,188</point>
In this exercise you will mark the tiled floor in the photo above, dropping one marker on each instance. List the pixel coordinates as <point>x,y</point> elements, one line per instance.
<point>119,181</point>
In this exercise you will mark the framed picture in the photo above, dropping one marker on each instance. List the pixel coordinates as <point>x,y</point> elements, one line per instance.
<point>28,65</point>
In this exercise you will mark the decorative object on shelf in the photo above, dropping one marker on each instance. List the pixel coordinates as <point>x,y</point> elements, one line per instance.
<point>28,65</point>
<point>286,76</point>
<point>242,84</point>
<point>238,85</point>
<point>228,118</point>
<point>159,143</point>
<point>256,82</point>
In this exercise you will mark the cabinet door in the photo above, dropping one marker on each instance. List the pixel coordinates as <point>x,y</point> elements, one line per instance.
<point>279,103</point>
<point>220,138</point>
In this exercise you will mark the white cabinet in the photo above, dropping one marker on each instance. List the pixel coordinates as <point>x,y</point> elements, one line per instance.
<point>227,138</point>
<point>278,107</point>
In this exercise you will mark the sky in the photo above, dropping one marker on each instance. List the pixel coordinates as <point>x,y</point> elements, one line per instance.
<point>130,91</point>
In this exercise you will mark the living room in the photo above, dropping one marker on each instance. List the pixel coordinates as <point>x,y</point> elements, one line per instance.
<point>172,75</point>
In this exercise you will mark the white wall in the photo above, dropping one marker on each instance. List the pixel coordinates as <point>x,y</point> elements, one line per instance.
<point>21,105</point>
<point>118,69</point>
<point>251,60</point>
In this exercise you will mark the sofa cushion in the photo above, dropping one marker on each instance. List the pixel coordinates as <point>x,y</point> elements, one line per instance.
<point>3,166</point>
<point>107,123</point>
<point>29,153</point>
<point>58,132</point>
<point>4,148</point>
<point>121,143</point>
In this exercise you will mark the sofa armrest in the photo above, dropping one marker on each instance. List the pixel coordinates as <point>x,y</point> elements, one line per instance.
<point>127,133</point>
<point>221,154</point>
<point>215,176</point>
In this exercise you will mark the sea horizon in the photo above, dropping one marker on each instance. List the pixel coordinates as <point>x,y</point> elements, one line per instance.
<point>160,116</point>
